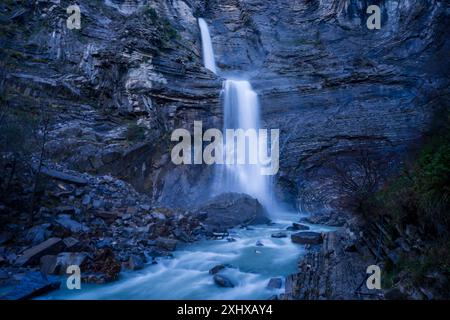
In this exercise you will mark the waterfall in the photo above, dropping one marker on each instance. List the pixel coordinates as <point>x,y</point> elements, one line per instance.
<point>241,111</point>
<point>208,52</point>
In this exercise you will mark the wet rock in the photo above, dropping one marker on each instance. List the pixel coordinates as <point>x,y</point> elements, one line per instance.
<point>166,243</point>
<point>259,243</point>
<point>297,227</point>
<point>279,235</point>
<point>307,237</point>
<point>223,281</point>
<point>232,209</point>
<point>275,283</point>
<point>32,255</point>
<point>217,269</point>
<point>31,285</point>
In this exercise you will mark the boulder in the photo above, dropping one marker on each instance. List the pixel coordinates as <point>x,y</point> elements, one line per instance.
<point>223,281</point>
<point>307,237</point>
<point>232,209</point>
<point>259,243</point>
<point>297,227</point>
<point>275,283</point>
<point>74,226</point>
<point>33,254</point>
<point>279,235</point>
<point>217,269</point>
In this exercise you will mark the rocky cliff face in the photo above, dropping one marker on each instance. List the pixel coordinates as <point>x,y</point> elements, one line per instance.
<point>330,84</point>
<point>114,91</point>
<point>118,86</point>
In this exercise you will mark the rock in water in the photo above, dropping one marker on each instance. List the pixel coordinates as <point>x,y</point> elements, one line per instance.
<point>298,227</point>
<point>232,209</point>
<point>259,243</point>
<point>307,237</point>
<point>279,235</point>
<point>217,269</point>
<point>223,281</point>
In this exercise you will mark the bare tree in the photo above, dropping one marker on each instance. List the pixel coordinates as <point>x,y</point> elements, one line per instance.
<point>357,181</point>
<point>42,137</point>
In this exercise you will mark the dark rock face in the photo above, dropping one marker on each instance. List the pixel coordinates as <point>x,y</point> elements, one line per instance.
<point>232,209</point>
<point>133,73</point>
<point>333,86</point>
<point>327,273</point>
<point>307,237</point>
<point>117,88</point>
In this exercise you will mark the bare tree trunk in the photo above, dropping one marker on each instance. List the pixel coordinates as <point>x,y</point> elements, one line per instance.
<point>39,169</point>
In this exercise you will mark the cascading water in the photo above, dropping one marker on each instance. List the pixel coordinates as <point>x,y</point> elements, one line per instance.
<point>208,52</point>
<point>241,111</point>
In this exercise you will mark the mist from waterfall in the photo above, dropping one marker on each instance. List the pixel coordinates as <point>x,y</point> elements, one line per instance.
<point>241,111</point>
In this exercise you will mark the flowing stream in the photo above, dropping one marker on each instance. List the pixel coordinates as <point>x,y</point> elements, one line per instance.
<point>186,275</point>
<point>253,255</point>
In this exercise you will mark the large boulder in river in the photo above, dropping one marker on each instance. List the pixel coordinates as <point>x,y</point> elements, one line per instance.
<point>307,237</point>
<point>232,209</point>
<point>223,281</point>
